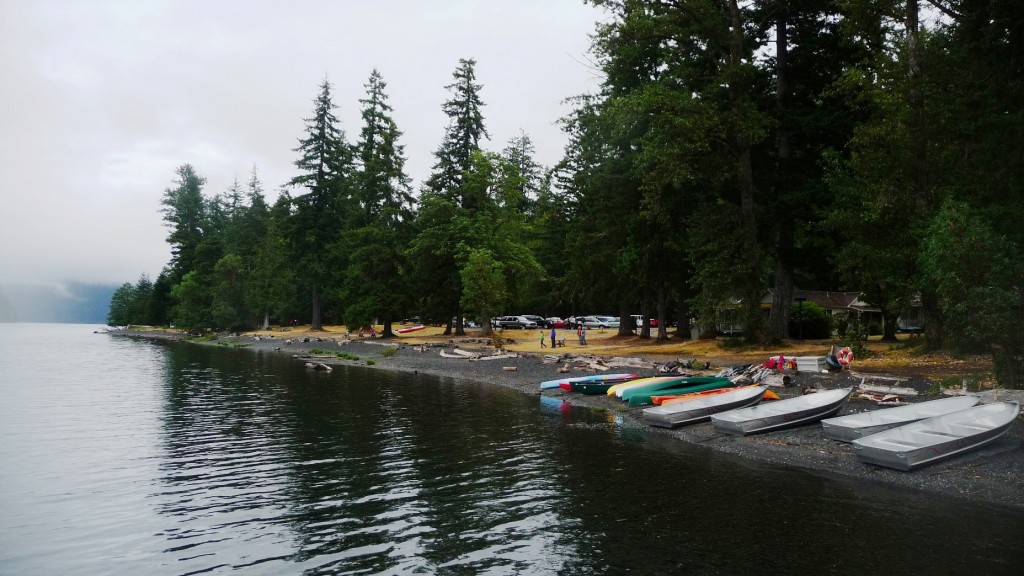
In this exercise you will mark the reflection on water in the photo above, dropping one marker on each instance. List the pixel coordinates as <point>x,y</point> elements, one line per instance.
<point>133,457</point>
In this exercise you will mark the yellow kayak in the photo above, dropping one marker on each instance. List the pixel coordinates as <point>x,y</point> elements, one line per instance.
<point>618,388</point>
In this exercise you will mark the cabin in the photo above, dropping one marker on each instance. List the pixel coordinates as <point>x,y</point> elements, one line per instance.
<point>849,305</point>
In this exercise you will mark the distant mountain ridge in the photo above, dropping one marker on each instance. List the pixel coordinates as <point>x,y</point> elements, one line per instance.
<point>72,303</point>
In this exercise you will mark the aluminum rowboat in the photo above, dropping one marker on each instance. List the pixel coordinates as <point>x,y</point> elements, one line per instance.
<point>701,408</point>
<point>852,426</point>
<point>781,414</point>
<point>916,444</point>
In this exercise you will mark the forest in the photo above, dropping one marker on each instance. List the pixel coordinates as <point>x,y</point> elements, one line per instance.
<point>734,150</point>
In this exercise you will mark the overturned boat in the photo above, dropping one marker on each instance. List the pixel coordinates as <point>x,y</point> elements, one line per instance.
<point>852,426</point>
<point>781,414</point>
<point>701,408</point>
<point>913,445</point>
<point>547,384</point>
<point>641,396</point>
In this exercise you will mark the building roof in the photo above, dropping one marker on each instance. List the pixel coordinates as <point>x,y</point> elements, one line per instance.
<point>828,300</point>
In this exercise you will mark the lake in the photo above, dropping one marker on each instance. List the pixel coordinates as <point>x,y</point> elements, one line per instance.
<point>124,456</point>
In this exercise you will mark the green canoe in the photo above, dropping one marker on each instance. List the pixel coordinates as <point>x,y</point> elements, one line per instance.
<point>593,388</point>
<point>667,384</point>
<point>642,396</point>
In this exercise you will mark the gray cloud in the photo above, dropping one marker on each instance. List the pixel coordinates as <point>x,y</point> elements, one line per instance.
<point>102,101</point>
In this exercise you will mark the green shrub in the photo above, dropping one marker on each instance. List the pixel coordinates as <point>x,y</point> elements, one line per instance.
<point>842,322</point>
<point>809,321</point>
<point>342,355</point>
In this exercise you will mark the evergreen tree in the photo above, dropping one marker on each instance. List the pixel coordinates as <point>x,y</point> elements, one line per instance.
<point>325,164</point>
<point>159,313</point>
<point>518,154</point>
<point>464,133</point>
<point>483,279</point>
<point>141,303</point>
<point>270,282</point>
<point>381,229</point>
<point>445,196</point>
<point>813,51</point>
<point>121,304</point>
<point>192,299</point>
<point>184,211</point>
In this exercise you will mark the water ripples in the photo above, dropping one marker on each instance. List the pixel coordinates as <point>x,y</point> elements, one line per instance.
<point>348,474</point>
<point>131,457</point>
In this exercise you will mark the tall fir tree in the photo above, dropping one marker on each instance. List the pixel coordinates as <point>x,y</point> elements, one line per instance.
<point>381,227</point>
<point>445,196</point>
<point>325,165</point>
<point>184,211</point>
<point>464,134</point>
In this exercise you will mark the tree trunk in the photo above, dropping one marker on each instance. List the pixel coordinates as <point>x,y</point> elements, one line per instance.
<point>915,101</point>
<point>645,323</point>
<point>662,329</point>
<point>888,325</point>
<point>682,317</point>
<point>387,332</point>
<point>782,298</point>
<point>933,328</point>
<point>624,320</point>
<point>1007,366</point>
<point>266,319</point>
<point>778,320</point>
<point>316,323</point>
<point>753,323</point>
<point>460,328</point>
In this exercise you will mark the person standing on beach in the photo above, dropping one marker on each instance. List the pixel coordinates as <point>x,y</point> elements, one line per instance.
<point>581,332</point>
<point>542,340</point>
<point>554,335</point>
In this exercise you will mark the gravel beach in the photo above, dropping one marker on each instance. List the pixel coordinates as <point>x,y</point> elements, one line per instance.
<point>993,474</point>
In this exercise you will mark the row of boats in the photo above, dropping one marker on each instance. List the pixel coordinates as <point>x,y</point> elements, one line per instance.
<point>904,437</point>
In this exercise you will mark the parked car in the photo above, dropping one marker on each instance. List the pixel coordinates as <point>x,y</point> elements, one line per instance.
<point>556,322</point>
<point>539,320</point>
<point>513,322</point>
<point>598,321</point>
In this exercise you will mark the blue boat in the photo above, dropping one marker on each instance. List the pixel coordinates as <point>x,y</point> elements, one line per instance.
<point>592,378</point>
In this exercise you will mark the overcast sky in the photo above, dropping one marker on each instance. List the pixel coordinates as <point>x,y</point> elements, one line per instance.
<point>101,101</point>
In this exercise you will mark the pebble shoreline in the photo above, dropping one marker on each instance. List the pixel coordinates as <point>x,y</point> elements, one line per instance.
<point>993,474</point>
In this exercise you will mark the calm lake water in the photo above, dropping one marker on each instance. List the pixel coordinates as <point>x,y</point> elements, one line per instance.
<point>132,457</point>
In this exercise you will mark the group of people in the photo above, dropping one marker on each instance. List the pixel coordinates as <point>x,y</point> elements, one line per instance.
<point>581,333</point>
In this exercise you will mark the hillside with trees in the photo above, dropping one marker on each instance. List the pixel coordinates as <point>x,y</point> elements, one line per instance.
<point>733,150</point>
